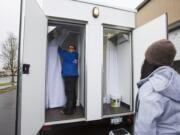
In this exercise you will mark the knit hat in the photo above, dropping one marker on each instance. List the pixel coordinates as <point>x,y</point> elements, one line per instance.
<point>161,53</point>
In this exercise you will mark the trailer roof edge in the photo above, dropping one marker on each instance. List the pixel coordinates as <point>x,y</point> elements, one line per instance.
<point>108,6</point>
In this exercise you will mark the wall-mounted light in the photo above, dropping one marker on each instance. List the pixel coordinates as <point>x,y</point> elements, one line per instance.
<point>95,12</point>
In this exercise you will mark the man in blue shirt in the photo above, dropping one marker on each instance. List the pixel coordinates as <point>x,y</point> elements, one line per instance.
<point>69,60</point>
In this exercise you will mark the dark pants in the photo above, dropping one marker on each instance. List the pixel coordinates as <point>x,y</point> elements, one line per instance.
<point>70,91</point>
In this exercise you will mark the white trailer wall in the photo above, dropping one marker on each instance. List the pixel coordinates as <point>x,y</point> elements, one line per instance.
<point>34,33</point>
<point>174,36</point>
<point>68,9</point>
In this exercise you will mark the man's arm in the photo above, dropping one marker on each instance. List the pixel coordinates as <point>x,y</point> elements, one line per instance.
<point>60,51</point>
<point>146,117</point>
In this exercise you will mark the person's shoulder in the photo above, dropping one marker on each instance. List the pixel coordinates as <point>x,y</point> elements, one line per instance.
<point>146,92</point>
<point>64,51</point>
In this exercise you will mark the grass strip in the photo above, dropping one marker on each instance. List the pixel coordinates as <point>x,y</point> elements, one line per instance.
<point>8,89</point>
<point>7,83</point>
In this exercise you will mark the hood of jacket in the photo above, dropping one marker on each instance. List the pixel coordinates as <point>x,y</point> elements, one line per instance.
<point>166,81</point>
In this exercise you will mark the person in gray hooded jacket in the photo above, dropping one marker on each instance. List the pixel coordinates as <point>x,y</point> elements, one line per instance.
<point>158,100</point>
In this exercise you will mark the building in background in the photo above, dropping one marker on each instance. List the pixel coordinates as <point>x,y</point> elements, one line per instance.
<point>150,9</point>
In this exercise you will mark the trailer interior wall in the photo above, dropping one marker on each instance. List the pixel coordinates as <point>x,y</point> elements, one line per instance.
<point>117,67</point>
<point>72,10</point>
<point>61,35</point>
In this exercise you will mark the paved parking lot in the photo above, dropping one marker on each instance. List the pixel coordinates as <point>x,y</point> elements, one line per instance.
<point>7,113</point>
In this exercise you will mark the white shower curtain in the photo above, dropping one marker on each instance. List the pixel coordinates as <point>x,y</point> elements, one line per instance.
<point>55,94</point>
<point>112,74</point>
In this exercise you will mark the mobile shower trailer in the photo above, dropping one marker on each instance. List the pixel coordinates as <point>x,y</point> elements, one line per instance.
<point>111,51</point>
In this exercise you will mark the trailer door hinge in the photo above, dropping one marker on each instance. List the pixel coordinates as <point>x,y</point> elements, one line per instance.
<point>26,68</point>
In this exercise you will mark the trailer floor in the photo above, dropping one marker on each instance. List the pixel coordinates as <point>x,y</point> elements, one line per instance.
<point>108,110</point>
<point>56,114</point>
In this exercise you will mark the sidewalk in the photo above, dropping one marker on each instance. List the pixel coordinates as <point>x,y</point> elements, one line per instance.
<point>5,87</point>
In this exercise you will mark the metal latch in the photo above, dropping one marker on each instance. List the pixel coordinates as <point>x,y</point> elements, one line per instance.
<point>26,68</point>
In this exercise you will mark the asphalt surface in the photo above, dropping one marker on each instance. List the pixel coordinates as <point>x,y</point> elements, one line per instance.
<point>7,113</point>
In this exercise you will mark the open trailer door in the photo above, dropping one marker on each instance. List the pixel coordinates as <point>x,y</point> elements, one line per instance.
<point>142,38</point>
<point>33,56</point>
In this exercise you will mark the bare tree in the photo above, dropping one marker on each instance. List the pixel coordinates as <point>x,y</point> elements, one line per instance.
<point>9,55</point>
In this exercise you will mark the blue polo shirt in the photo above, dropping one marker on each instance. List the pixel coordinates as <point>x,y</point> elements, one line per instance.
<point>69,62</point>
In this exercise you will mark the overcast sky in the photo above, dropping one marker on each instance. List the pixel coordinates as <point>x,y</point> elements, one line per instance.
<point>9,14</point>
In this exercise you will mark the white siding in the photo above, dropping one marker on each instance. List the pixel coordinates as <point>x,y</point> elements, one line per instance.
<point>174,36</point>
